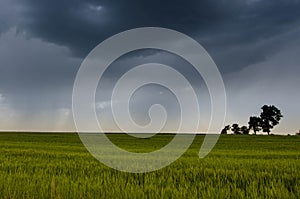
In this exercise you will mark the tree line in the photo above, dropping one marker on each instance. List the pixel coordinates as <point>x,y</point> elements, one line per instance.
<point>269,117</point>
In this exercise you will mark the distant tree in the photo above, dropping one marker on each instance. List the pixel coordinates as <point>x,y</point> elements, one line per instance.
<point>235,129</point>
<point>270,117</point>
<point>244,130</point>
<point>225,129</point>
<point>254,124</point>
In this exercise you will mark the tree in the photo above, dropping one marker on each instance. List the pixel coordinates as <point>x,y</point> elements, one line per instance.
<point>254,124</point>
<point>225,129</point>
<point>244,130</point>
<point>270,117</point>
<point>235,129</point>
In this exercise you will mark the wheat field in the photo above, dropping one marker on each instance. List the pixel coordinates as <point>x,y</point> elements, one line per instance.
<point>48,165</point>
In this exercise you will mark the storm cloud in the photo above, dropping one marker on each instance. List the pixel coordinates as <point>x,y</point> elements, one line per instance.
<point>42,44</point>
<point>226,28</point>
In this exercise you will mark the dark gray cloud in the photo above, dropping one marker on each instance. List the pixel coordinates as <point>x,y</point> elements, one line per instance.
<point>35,78</point>
<point>225,28</point>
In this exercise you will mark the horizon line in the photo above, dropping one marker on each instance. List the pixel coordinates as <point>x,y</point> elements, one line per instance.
<point>120,132</point>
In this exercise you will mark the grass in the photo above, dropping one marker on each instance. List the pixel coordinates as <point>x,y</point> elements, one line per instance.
<point>58,166</point>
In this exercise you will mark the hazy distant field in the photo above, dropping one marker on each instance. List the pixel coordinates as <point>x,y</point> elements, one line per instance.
<point>58,166</point>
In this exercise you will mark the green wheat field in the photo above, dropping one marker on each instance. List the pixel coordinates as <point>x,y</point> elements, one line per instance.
<point>41,165</point>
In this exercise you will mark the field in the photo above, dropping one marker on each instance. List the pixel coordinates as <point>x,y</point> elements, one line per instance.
<point>58,166</point>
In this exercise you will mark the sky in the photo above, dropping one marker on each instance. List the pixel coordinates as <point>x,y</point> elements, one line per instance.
<point>254,43</point>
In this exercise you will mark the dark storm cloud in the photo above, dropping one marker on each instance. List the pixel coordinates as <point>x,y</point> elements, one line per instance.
<point>225,28</point>
<point>33,72</point>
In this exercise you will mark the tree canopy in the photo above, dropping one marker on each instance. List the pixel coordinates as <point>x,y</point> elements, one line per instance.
<point>235,129</point>
<point>225,129</point>
<point>269,117</point>
<point>254,124</point>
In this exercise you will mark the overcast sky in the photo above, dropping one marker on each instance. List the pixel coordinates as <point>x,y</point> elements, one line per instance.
<point>255,44</point>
